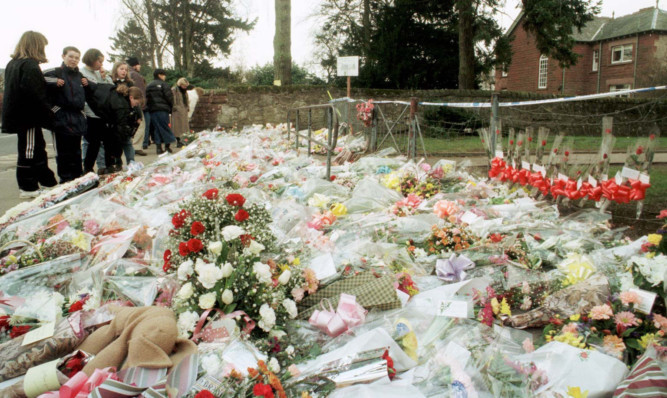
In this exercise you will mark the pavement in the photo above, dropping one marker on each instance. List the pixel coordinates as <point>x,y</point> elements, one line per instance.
<point>9,192</point>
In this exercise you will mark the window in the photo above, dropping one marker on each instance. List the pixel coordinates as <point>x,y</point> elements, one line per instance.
<point>542,75</point>
<point>620,87</point>
<point>596,60</point>
<point>620,54</point>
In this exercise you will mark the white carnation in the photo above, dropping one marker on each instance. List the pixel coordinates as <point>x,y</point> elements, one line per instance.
<point>232,232</point>
<point>227,296</point>
<point>652,269</point>
<point>290,306</point>
<point>274,365</point>
<point>267,317</point>
<point>289,350</point>
<point>215,247</point>
<point>207,301</point>
<point>255,247</point>
<point>185,270</point>
<point>208,274</point>
<point>186,291</point>
<point>227,270</point>
<point>58,299</point>
<point>262,272</point>
<point>212,364</point>
<point>285,277</point>
<point>187,322</point>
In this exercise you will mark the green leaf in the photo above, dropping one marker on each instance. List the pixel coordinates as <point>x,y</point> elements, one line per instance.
<point>634,344</point>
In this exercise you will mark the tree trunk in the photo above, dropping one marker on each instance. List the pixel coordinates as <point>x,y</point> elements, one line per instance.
<point>282,43</point>
<point>152,31</point>
<point>366,26</point>
<point>466,45</point>
<point>188,52</point>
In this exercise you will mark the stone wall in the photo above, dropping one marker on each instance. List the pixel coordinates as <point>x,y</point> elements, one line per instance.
<point>243,106</point>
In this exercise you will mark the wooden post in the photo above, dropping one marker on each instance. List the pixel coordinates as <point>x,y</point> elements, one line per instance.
<point>412,136</point>
<point>349,95</point>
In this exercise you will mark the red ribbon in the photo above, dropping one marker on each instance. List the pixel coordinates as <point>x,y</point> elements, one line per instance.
<point>497,167</point>
<point>638,189</point>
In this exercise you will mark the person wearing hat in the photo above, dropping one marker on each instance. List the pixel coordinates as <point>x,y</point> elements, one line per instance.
<point>143,130</point>
<point>160,101</point>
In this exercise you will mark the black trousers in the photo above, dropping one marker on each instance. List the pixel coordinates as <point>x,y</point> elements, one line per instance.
<point>68,156</point>
<point>32,167</point>
<point>98,132</point>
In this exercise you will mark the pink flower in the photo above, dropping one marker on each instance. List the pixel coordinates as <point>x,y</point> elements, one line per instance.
<point>600,312</point>
<point>298,293</point>
<point>445,208</point>
<point>413,200</point>
<point>312,283</point>
<point>660,322</point>
<point>425,166</point>
<point>437,173</point>
<point>570,328</point>
<point>626,319</point>
<point>321,220</point>
<point>663,214</point>
<point>613,345</point>
<point>628,298</point>
<point>528,345</point>
<point>91,227</point>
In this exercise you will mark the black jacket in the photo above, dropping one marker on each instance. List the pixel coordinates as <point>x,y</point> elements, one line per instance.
<point>114,109</point>
<point>159,97</point>
<point>24,104</point>
<point>67,101</point>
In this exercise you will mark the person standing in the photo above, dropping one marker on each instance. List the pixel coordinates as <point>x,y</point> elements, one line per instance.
<point>65,90</point>
<point>120,76</point>
<point>98,133</point>
<point>159,101</point>
<point>143,131</point>
<point>179,113</point>
<point>25,111</point>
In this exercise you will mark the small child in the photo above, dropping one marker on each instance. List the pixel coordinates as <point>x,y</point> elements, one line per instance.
<point>65,91</point>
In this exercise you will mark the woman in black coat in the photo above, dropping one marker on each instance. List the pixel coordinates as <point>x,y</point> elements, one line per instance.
<point>25,111</point>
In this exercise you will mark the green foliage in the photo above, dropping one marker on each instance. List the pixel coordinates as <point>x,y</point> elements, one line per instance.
<point>131,41</point>
<point>552,22</point>
<point>263,76</point>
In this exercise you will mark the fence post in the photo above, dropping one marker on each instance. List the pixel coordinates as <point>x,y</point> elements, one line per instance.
<point>297,131</point>
<point>412,136</point>
<point>310,129</point>
<point>494,121</point>
<point>374,130</point>
<point>330,117</point>
<point>289,123</point>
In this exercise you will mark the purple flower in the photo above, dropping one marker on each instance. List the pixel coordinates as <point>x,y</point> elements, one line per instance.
<point>453,269</point>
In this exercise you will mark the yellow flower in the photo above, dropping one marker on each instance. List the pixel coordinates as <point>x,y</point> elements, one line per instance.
<point>391,181</point>
<point>505,308</point>
<point>655,239</point>
<point>575,318</point>
<point>576,268</point>
<point>81,241</point>
<point>11,259</point>
<point>575,392</point>
<point>647,339</point>
<point>650,255</point>
<point>410,345</point>
<point>495,306</point>
<point>338,209</point>
<point>571,339</point>
<point>296,261</point>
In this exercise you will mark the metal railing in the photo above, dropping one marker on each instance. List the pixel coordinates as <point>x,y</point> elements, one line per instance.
<point>332,125</point>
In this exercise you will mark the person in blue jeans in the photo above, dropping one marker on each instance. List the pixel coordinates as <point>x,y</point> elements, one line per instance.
<point>160,101</point>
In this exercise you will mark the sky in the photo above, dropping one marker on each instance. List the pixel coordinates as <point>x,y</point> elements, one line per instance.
<point>90,23</point>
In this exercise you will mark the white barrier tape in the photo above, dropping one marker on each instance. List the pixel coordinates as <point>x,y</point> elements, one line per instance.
<point>517,103</point>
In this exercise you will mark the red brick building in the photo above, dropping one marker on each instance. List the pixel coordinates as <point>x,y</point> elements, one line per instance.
<point>616,53</point>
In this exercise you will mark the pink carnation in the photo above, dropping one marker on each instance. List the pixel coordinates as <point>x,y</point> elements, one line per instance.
<point>660,322</point>
<point>625,319</point>
<point>528,345</point>
<point>445,208</point>
<point>600,312</point>
<point>628,298</point>
<point>571,328</point>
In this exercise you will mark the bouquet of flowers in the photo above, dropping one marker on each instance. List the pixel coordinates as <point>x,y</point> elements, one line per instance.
<point>365,112</point>
<point>449,238</point>
<point>616,328</point>
<point>216,252</point>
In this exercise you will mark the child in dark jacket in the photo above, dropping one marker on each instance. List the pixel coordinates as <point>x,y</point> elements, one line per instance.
<point>159,101</point>
<point>25,110</point>
<point>65,90</point>
<point>121,77</point>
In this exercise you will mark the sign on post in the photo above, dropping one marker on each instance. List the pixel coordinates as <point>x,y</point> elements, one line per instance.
<point>348,66</point>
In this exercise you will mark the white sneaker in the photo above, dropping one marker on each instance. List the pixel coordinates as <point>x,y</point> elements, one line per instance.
<point>29,194</point>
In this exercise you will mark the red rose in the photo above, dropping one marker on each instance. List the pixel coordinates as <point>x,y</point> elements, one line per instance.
<point>567,153</point>
<point>166,267</point>
<point>245,239</point>
<point>4,322</point>
<point>197,228</point>
<point>530,139</point>
<point>204,394</point>
<point>253,178</point>
<point>178,220</point>
<point>19,331</point>
<point>241,215</point>
<point>511,142</point>
<point>262,390</point>
<point>332,178</point>
<point>640,150</point>
<point>235,199</point>
<point>651,137</point>
<point>167,255</point>
<point>211,194</point>
<point>604,156</point>
<point>183,249</point>
<point>495,238</point>
<point>195,245</point>
<point>555,150</point>
<point>544,142</point>
<point>519,143</point>
<point>77,306</point>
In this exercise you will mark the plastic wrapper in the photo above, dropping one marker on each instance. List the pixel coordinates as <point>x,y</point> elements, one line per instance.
<point>567,366</point>
<point>132,281</point>
<point>372,164</point>
<point>54,275</point>
<point>369,195</point>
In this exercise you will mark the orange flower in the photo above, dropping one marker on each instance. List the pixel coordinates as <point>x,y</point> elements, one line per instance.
<point>262,366</point>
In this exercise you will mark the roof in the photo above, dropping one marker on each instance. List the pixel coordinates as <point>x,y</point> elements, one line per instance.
<point>604,28</point>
